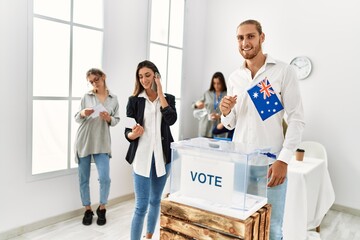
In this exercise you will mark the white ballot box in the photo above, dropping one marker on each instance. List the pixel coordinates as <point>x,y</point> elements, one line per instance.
<point>219,176</point>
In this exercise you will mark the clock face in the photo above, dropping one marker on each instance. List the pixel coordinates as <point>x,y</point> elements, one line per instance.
<point>302,66</point>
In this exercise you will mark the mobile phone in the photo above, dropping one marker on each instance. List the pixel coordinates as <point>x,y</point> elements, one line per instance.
<point>154,86</point>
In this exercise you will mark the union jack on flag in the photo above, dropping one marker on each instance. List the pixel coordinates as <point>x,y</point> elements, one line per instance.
<point>268,104</point>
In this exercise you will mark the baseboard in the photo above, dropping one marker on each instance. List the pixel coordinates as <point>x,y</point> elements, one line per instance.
<point>345,209</point>
<point>53,220</point>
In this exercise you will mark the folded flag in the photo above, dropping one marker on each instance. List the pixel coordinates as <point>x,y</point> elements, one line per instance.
<point>265,100</point>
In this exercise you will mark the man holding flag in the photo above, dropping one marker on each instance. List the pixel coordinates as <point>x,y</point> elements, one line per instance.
<point>260,92</point>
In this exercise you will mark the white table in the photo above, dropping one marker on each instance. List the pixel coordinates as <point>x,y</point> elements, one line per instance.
<point>310,195</point>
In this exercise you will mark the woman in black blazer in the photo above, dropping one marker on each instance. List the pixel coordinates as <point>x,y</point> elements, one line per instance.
<point>149,151</point>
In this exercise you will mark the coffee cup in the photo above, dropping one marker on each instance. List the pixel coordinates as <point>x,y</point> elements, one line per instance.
<point>299,154</point>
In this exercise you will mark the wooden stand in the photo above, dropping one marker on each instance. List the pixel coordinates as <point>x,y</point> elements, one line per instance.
<point>180,222</point>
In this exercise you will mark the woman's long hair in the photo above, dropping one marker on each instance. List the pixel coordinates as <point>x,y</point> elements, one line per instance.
<point>221,77</point>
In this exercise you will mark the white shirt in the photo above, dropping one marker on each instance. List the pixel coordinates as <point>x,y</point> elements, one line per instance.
<point>249,127</point>
<point>150,141</point>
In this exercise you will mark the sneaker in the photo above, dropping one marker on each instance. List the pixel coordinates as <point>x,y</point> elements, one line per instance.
<point>101,216</point>
<point>88,216</point>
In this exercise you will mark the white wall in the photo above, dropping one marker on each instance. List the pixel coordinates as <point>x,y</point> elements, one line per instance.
<point>125,45</point>
<point>193,67</point>
<point>328,33</point>
<point>22,201</point>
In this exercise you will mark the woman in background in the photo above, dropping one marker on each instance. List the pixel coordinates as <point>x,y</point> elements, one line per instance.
<point>209,102</point>
<point>149,151</point>
<point>93,143</point>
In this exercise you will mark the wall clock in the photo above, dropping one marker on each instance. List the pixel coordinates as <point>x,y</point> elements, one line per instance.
<point>303,66</point>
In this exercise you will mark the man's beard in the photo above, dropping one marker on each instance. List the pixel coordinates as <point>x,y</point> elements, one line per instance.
<point>252,55</point>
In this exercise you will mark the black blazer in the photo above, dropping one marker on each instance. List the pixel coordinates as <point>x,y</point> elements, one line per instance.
<point>135,109</point>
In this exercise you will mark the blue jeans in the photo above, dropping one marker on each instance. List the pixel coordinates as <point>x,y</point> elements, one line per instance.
<point>102,162</point>
<point>148,191</point>
<point>276,197</point>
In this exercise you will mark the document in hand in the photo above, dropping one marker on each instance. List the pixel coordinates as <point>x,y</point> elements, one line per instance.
<point>129,122</point>
<point>265,100</point>
<point>97,110</point>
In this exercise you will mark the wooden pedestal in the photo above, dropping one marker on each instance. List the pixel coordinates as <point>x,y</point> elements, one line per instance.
<point>180,222</point>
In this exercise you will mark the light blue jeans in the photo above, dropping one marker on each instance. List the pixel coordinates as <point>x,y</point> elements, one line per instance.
<point>257,177</point>
<point>148,192</point>
<point>276,197</point>
<point>102,162</point>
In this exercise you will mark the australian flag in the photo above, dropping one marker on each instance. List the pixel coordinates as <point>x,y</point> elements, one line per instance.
<point>265,100</point>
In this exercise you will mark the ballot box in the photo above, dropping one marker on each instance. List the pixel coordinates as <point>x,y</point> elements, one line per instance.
<point>219,176</point>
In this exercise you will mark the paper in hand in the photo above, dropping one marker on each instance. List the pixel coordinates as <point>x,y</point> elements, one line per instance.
<point>97,110</point>
<point>129,122</point>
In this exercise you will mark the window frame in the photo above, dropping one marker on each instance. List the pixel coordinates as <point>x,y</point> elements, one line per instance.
<point>178,99</point>
<point>31,98</point>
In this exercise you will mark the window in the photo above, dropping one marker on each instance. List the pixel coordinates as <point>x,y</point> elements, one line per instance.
<point>166,47</point>
<point>67,38</point>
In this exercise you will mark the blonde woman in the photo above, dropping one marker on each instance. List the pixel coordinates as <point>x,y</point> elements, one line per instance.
<point>99,109</point>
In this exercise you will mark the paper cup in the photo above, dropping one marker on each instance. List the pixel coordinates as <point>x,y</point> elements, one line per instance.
<point>299,154</point>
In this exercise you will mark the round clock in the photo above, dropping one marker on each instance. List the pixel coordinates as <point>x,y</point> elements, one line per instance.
<point>302,66</point>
